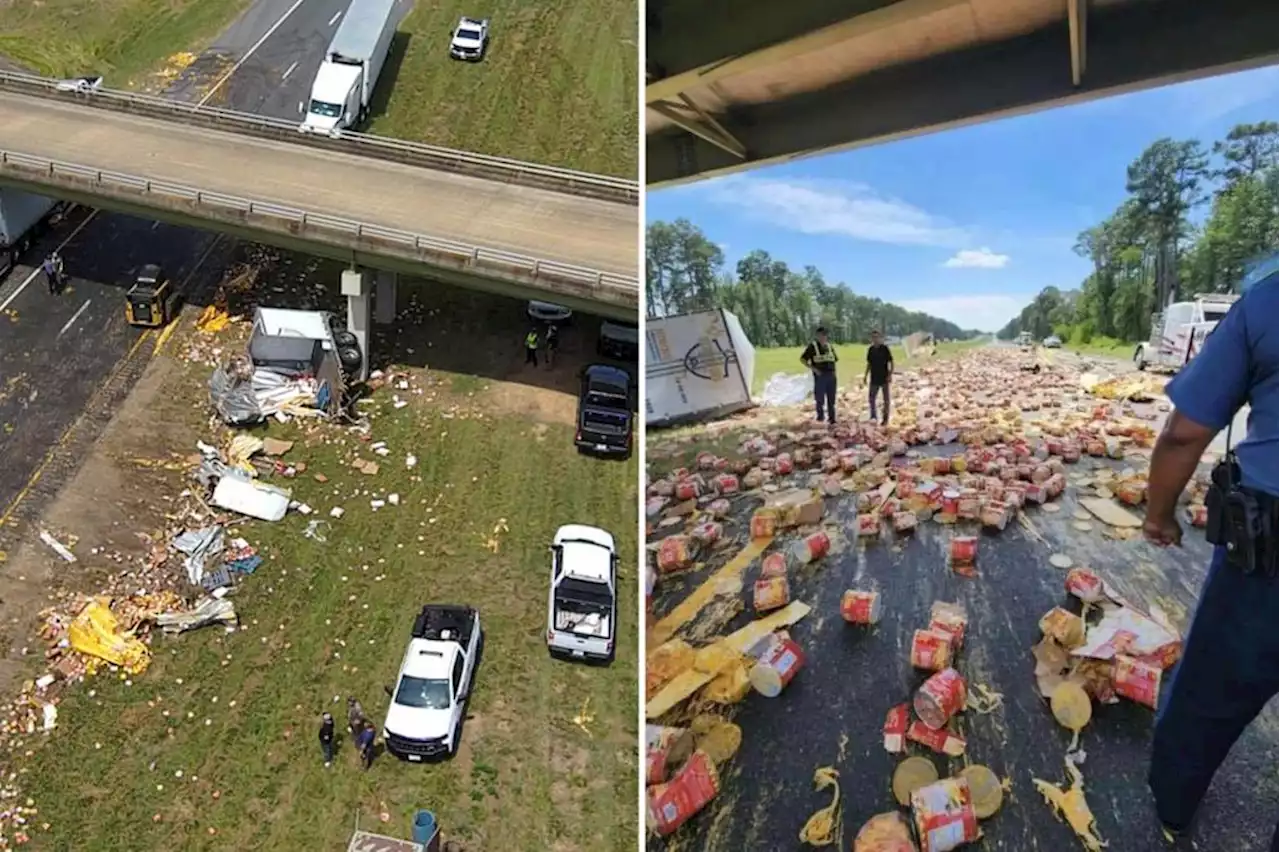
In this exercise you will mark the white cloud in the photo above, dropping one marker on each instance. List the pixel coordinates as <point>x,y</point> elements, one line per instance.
<point>833,207</point>
<point>983,312</point>
<point>983,258</point>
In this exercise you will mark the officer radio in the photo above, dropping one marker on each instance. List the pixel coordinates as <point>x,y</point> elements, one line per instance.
<point>1239,519</point>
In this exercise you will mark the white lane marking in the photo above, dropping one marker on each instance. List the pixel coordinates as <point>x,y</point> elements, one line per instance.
<point>74,317</point>
<point>335,18</point>
<point>288,71</point>
<point>32,276</point>
<point>243,59</point>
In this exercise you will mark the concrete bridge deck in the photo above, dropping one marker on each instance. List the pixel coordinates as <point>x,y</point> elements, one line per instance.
<point>583,232</point>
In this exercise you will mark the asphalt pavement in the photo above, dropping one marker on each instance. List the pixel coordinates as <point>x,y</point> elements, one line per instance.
<point>56,351</point>
<point>854,675</point>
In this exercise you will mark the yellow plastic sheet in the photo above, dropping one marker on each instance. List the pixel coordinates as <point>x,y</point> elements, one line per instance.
<point>97,633</point>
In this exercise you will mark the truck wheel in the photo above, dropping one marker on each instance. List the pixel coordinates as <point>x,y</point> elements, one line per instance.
<point>350,358</point>
<point>344,339</point>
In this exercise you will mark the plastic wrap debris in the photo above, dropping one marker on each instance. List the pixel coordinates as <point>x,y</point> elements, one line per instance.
<point>199,546</point>
<point>97,633</point>
<point>231,393</point>
<point>1126,631</point>
<point>58,547</point>
<point>782,389</point>
<point>255,499</point>
<point>208,611</point>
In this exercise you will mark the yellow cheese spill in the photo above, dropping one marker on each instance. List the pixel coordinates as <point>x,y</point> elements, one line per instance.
<point>692,605</point>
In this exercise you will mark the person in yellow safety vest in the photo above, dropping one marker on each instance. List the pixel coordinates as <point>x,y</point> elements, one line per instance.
<point>820,357</point>
<point>531,347</point>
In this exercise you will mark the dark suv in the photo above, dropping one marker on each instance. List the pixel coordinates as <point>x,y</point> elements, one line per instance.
<point>604,411</point>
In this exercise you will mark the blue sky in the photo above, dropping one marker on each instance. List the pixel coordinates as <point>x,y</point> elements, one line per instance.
<point>968,224</point>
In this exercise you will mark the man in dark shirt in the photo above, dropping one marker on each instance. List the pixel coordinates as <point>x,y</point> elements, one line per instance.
<point>326,738</point>
<point>820,357</point>
<point>880,370</point>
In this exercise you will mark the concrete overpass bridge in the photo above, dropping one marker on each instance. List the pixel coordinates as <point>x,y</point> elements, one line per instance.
<point>487,223</point>
<point>735,84</point>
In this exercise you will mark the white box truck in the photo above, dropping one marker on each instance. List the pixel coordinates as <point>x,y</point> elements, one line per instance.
<point>21,217</point>
<point>1178,332</point>
<point>697,366</point>
<point>344,84</point>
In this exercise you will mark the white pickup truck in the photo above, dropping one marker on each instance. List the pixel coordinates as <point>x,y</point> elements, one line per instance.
<point>429,700</point>
<point>582,606</point>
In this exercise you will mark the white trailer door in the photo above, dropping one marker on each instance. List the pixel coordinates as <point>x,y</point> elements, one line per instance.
<point>691,367</point>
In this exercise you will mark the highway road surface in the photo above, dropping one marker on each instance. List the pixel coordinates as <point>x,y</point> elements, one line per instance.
<point>57,353</point>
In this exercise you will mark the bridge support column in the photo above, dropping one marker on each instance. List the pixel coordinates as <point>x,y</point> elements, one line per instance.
<point>384,302</point>
<point>355,286</point>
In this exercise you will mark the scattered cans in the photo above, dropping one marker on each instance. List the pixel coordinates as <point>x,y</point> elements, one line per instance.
<point>665,749</point>
<point>811,547</point>
<point>930,650</point>
<point>895,729</point>
<point>1137,680</point>
<point>771,593</point>
<point>964,550</point>
<point>889,832</point>
<point>773,565</point>
<point>695,785</point>
<point>910,775</point>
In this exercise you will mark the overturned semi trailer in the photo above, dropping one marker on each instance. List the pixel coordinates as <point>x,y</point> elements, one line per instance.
<point>698,366</point>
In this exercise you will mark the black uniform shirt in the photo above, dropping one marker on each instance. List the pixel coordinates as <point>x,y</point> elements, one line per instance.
<point>879,357</point>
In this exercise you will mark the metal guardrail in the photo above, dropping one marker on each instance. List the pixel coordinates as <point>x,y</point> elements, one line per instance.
<point>361,144</point>
<point>588,283</point>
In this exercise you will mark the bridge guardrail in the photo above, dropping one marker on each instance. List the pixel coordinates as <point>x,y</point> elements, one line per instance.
<point>419,154</point>
<point>590,283</point>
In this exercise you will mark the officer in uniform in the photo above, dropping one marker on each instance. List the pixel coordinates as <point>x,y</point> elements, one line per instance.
<point>531,347</point>
<point>1228,670</point>
<point>820,357</point>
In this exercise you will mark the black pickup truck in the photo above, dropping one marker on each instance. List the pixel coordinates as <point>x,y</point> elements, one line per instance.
<point>605,418</point>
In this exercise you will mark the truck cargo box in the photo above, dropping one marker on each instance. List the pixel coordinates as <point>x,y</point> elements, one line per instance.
<point>697,366</point>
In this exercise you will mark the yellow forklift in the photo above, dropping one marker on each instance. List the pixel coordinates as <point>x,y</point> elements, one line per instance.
<point>152,300</point>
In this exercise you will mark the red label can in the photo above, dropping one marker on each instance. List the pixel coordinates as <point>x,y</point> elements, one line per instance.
<point>773,565</point>
<point>1136,680</point>
<point>858,607</point>
<point>811,547</point>
<point>783,465</point>
<point>930,650</point>
<point>944,816</point>
<point>895,728</point>
<point>727,483</point>
<point>939,698</point>
<point>695,785</point>
<point>964,550</point>
<point>951,502</point>
<point>777,667</point>
<point>686,490</point>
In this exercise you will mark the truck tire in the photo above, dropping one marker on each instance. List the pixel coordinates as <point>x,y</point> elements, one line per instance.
<point>344,339</point>
<point>350,358</point>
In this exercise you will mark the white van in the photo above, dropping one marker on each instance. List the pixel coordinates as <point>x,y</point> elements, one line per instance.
<point>582,605</point>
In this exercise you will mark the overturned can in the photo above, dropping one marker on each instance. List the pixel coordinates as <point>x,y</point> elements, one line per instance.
<point>859,607</point>
<point>939,698</point>
<point>811,547</point>
<point>773,565</point>
<point>1136,680</point>
<point>771,593</point>
<point>777,667</point>
<point>944,816</point>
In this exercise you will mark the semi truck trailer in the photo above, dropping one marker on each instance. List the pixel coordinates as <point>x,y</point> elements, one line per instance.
<point>344,84</point>
<point>22,215</point>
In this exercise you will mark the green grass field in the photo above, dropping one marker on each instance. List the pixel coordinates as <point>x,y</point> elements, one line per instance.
<point>1104,346</point>
<point>214,747</point>
<point>558,86</point>
<point>853,360</point>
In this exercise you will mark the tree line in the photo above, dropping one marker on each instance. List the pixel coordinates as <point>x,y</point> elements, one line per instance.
<point>777,305</point>
<point>1153,249</point>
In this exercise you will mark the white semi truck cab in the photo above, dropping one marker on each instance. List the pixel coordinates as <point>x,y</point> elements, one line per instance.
<point>343,87</point>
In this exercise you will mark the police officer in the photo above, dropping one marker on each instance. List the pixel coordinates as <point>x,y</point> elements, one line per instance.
<point>1228,671</point>
<point>820,357</point>
<point>50,269</point>
<point>531,347</point>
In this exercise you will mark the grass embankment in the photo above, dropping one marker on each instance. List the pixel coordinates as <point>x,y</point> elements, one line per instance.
<point>237,714</point>
<point>127,41</point>
<point>853,360</point>
<point>1105,347</point>
<point>558,85</point>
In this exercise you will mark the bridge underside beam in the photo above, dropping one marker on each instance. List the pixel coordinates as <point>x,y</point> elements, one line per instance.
<point>1129,48</point>
<point>266,232</point>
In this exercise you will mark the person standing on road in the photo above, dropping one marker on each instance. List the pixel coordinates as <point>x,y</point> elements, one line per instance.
<point>355,717</point>
<point>326,738</point>
<point>880,370</point>
<point>364,741</point>
<point>57,271</point>
<point>531,347</point>
<point>1228,670</point>
<point>553,344</point>
<point>50,270</point>
<point>820,357</point>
